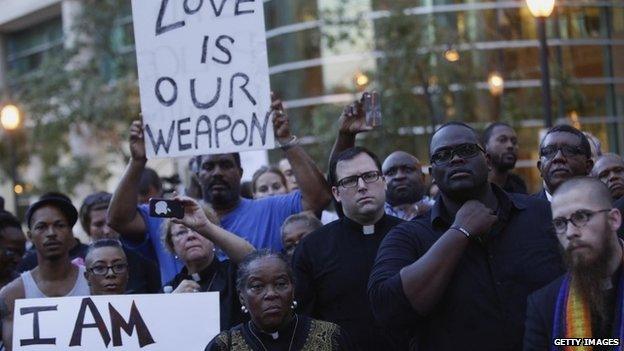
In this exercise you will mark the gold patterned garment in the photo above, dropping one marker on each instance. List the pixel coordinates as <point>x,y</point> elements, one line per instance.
<point>309,335</point>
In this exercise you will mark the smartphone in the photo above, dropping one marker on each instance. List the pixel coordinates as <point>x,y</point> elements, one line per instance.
<point>372,109</point>
<point>166,208</point>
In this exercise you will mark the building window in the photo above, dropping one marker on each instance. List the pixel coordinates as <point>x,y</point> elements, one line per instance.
<point>29,48</point>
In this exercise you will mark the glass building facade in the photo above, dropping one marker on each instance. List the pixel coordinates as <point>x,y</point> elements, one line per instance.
<point>317,76</point>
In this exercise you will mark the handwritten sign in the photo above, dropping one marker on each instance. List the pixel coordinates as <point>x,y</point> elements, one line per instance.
<point>159,322</point>
<point>203,76</point>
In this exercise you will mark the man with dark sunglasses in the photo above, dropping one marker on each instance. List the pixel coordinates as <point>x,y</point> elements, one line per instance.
<point>587,301</point>
<point>332,264</point>
<point>564,153</point>
<point>458,277</point>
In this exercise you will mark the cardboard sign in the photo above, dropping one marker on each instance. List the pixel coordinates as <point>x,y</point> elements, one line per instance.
<point>158,322</point>
<point>203,76</point>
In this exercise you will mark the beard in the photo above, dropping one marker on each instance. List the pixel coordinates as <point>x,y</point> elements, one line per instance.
<point>503,165</point>
<point>588,276</point>
<point>409,195</point>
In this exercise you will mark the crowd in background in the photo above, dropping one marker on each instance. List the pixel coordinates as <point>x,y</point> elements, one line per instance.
<point>364,254</point>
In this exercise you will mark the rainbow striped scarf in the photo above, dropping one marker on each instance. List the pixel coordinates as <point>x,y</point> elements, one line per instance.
<point>573,319</point>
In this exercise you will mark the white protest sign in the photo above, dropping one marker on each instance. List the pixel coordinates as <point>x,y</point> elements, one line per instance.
<point>158,322</point>
<point>203,76</point>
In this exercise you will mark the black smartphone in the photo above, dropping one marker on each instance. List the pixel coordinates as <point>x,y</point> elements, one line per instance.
<point>166,208</point>
<point>372,109</point>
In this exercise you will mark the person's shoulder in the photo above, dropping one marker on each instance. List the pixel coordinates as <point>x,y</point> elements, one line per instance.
<point>619,203</point>
<point>8,294</point>
<point>227,338</point>
<point>393,221</point>
<point>322,234</point>
<point>533,202</point>
<point>319,327</point>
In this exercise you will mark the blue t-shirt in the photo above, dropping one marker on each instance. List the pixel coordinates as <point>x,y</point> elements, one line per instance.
<point>168,264</point>
<point>260,221</point>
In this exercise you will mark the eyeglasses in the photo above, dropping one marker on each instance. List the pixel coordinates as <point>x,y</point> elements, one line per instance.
<point>117,268</point>
<point>578,218</point>
<point>352,181</point>
<point>464,151</point>
<point>550,151</point>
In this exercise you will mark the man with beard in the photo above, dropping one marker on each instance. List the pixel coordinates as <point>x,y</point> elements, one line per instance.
<point>49,228</point>
<point>609,168</point>
<point>405,194</point>
<point>587,301</point>
<point>564,153</point>
<point>257,221</point>
<point>458,277</point>
<point>332,264</point>
<point>501,143</point>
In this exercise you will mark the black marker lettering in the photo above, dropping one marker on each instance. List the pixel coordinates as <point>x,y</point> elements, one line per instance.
<point>224,49</point>
<point>161,13</point>
<point>218,129</point>
<point>76,338</point>
<point>242,87</point>
<point>190,11</point>
<point>159,96</point>
<point>245,130</point>
<point>37,340</point>
<point>207,131</point>
<point>209,104</point>
<point>237,12</point>
<point>161,140</point>
<point>262,129</point>
<point>183,131</point>
<point>135,321</point>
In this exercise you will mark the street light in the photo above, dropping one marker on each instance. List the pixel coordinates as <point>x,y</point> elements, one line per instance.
<point>10,119</point>
<point>361,80</point>
<point>496,84</point>
<point>541,9</point>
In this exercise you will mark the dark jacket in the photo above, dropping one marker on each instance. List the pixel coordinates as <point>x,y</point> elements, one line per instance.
<point>540,317</point>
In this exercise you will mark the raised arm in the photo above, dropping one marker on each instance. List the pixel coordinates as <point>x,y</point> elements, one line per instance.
<point>351,122</point>
<point>425,280</point>
<point>315,191</point>
<point>122,212</point>
<point>235,247</point>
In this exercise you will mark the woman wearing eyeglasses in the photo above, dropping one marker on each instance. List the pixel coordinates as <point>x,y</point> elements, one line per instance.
<point>193,239</point>
<point>106,267</point>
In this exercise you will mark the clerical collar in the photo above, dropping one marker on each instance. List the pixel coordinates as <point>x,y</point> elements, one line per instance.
<point>205,274</point>
<point>364,229</point>
<point>285,330</point>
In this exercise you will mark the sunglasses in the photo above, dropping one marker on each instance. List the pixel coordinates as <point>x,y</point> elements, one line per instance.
<point>550,151</point>
<point>464,151</point>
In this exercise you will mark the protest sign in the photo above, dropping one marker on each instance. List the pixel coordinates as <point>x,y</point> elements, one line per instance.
<point>203,76</point>
<point>158,322</point>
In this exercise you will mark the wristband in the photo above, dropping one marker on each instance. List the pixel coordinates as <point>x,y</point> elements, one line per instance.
<point>462,230</point>
<point>292,142</point>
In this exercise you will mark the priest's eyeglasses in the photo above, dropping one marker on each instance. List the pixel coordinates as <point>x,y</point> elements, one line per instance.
<point>352,181</point>
<point>579,219</point>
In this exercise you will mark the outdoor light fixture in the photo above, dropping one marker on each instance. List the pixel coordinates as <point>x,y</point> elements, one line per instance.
<point>451,55</point>
<point>361,80</point>
<point>541,8</point>
<point>10,117</point>
<point>496,83</point>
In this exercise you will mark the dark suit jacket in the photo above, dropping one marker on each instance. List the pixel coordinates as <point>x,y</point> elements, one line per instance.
<point>540,317</point>
<point>540,195</point>
<point>619,204</point>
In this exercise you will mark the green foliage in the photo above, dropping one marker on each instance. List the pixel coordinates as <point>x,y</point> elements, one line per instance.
<point>87,90</point>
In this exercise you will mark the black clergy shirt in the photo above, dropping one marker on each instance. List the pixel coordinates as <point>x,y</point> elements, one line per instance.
<point>332,265</point>
<point>484,304</point>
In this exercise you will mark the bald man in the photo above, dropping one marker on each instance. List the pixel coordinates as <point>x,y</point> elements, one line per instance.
<point>609,168</point>
<point>585,223</point>
<point>405,192</point>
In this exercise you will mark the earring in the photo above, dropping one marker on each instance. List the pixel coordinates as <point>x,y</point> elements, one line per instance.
<point>294,304</point>
<point>244,309</point>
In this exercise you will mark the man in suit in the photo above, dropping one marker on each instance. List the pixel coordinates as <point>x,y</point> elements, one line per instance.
<point>584,302</point>
<point>564,153</point>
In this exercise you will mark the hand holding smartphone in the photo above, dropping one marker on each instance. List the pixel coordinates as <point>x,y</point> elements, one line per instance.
<point>166,208</point>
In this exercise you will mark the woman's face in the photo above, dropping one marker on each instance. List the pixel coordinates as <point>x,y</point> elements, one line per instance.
<point>269,184</point>
<point>188,245</point>
<point>268,293</point>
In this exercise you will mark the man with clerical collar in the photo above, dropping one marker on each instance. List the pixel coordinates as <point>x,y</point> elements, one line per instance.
<point>332,264</point>
<point>586,302</point>
<point>564,153</point>
<point>457,278</point>
<point>405,196</point>
<point>501,143</point>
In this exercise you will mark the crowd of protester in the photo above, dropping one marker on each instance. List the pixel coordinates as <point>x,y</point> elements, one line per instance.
<point>462,259</point>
